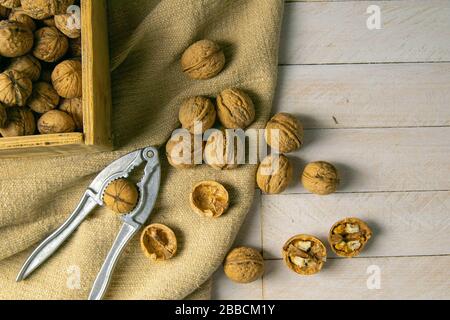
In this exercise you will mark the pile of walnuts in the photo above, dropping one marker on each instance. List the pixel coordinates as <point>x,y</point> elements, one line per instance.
<point>40,68</point>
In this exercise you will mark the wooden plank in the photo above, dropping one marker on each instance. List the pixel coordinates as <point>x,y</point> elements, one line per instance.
<point>336,32</point>
<point>400,278</point>
<point>404,224</point>
<point>356,96</point>
<point>408,159</point>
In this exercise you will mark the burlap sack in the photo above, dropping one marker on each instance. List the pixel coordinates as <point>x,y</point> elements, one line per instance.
<point>147,38</point>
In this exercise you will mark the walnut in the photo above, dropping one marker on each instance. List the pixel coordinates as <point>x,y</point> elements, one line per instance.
<point>3,115</point>
<point>43,98</point>
<point>42,9</point>
<point>209,199</point>
<point>121,196</point>
<point>63,25</point>
<point>222,151</point>
<point>304,254</point>
<point>49,22</point>
<point>235,109</point>
<point>158,242</point>
<point>284,133</point>
<point>244,265</point>
<point>197,111</point>
<point>16,39</point>
<point>55,121</point>
<point>18,15</point>
<point>28,65</point>
<point>10,3</point>
<point>320,178</point>
<point>67,79</point>
<point>183,151</point>
<point>349,236</point>
<point>74,107</point>
<point>274,174</point>
<point>20,122</point>
<point>203,60</point>
<point>50,44</point>
<point>15,88</point>
<point>75,47</point>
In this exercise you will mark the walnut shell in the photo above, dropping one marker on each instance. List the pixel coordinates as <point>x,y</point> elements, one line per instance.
<point>20,122</point>
<point>274,174</point>
<point>195,111</point>
<point>43,98</point>
<point>244,265</point>
<point>50,44</point>
<point>67,79</point>
<point>182,151</point>
<point>3,115</point>
<point>63,25</point>
<point>75,47</point>
<point>158,242</point>
<point>304,254</point>
<point>42,9</point>
<point>209,199</point>
<point>222,152</point>
<point>235,109</point>
<point>320,178</point>
<point>28,65</point>
<point>16,39</point>
<point>15,88</point>
<point>10,3</point>
<point>286,132</point>
<point>74,107</point>
<point>55,121</point>
<point>203,60</point>
<point>18,15</point>
<point>349,236</point>
<point>121,196</point>
<point>49,22</point>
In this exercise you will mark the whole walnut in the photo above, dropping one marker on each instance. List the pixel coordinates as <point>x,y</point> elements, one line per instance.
<point>62,22</point>
<point>43,98</point>
<point>55,121</point>
<point>244,265</point>
<point>203,60</point>
<point>320,178</point>
<point>42,9</point>
<point>235,109</point>
<point>74,107</point>
<point>183,152</point>
<point>75,47</point>
<point>50,44</point>
<point>274,174</point>
<point>10,3</point>
<point>18,15</point>
<point>67,79</point>
<point>15,88</point>
<point>28,65</point>
<point>222,151</point>
<point>16,39</point>
<point>20,122</point>
<point>284,133</point>
<point>195,111</point>
<point>3,115</point>
<point>121,196</point>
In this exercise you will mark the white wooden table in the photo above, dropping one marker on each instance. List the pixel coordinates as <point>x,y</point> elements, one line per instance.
<point>377,104</point>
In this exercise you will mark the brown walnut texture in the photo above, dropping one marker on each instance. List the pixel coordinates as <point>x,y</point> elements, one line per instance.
<point>235,109</point>
<point>55,121</point>
<point>28,65</point>
<point>321,178</point>
<point>20,122</point>
<point>221,151</point>
<point>195,111</point>
<point>158,242</point>
<point>203,60</point>
<point>182,151</point>
<point>121,196</point>
<point>304,254</point>
<point>274,174</point>
<point>284,133</point>
<point>67,79</point>
<point>244,265</point>
<point>74,108</point>
<point>18,15</point>
<point>50,44</point>
<point>16,39</point>
<point>10,3</point>
<point>43,98</point>
<point>349,236</point>
<point>42,9</point>
<point>209,199</point>
<point>62,23</point>
<point>15,88</point>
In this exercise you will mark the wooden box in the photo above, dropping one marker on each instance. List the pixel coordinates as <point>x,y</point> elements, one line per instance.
<point>96,96</point>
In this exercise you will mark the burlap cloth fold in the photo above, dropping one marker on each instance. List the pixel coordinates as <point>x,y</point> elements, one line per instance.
<point>147,38</point>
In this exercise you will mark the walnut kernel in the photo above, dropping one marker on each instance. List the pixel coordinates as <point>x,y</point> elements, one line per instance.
<point>320,178</point>
<point>50,44</point>
<point>235,109</point>
<point>304,254</point>
<point>349,236</point>
<point>55,121</point>
<point>121,196</point>
<point>209,199</point>
<point>15,88</point>
<point>203,60</point>
<point>274,174</point>
<point>16,39</point>
<point>28,65</point>
<point>74,107</point>
<point>43,98</point>
<point>20,122</point>
<point>67,79</point>
<point>158,242</point>
<point>288,130</point>
<point>197,110</point>
<point>244,265</point>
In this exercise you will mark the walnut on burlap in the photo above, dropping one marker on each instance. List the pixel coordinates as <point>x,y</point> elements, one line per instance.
<point>147,38</point>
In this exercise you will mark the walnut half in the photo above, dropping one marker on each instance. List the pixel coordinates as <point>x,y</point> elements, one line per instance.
<point>349,236</point>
